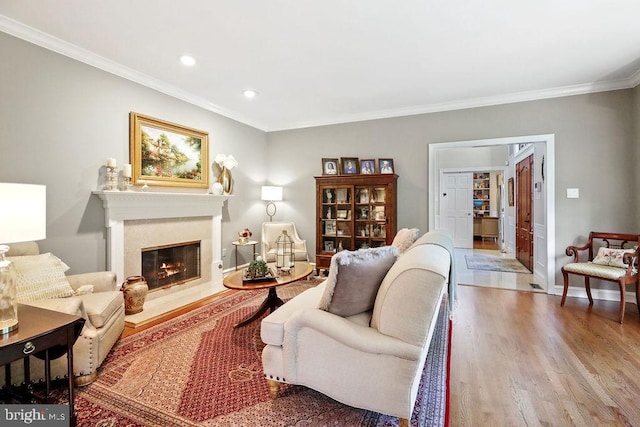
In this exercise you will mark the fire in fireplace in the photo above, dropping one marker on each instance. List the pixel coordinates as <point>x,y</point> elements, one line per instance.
<point>169,265</point>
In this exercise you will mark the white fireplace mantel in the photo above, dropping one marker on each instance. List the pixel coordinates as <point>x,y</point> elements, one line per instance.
<point>121,206</point>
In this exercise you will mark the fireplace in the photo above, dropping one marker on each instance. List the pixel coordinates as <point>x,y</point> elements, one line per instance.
<point>136,220</point>
<point>169,265</point>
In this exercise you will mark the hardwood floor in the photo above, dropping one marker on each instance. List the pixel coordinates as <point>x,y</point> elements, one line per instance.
<point>518,359</point>
<point>486,244</point>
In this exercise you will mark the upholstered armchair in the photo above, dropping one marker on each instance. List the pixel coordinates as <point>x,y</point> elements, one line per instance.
<point>93,296</point>
<point>271,231</point>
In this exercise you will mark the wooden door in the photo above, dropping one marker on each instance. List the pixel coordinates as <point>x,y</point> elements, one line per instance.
<point>524,212</point>
<point>456,206</point>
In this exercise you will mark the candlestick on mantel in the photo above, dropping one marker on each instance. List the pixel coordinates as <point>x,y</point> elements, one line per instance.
<point>126,171</point>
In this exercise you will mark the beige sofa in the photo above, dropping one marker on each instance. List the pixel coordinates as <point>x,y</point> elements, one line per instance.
<point>102,306</point>
<point>373,359</point>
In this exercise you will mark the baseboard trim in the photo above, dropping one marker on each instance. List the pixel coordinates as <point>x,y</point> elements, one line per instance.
<point>597,294</point>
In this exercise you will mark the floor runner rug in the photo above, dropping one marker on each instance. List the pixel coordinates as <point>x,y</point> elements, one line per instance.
<point>495,263</point>
<point>197,370</point>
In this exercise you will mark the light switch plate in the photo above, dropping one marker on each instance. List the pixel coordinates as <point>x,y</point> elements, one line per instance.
<point>573,193</point>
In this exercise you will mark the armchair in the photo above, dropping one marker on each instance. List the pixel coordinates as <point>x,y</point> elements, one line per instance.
<point>271,231</point>
<point>93,296</point>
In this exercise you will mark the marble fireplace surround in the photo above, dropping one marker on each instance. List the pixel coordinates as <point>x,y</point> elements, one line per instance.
<point>135,220</point>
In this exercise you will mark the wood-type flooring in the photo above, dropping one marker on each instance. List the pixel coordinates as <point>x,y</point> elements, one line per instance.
<point>519,359</point>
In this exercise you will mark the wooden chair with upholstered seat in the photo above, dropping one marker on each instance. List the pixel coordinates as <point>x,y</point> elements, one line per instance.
<point>615,261</point>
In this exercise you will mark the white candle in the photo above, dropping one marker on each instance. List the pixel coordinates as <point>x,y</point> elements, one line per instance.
<point>126,172</point>
<point>111,162</point>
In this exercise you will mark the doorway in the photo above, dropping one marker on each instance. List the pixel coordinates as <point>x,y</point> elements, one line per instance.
<point>544,257</point>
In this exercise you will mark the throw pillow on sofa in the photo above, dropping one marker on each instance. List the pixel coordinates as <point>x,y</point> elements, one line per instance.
<point>405,238</point>
<point>40,277</point>
<point>354,279</point>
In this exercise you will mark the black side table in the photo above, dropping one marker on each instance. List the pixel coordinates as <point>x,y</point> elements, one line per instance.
<point>46,334</point>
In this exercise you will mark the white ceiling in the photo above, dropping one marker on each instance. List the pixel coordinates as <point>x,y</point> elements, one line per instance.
<point>334,61</point>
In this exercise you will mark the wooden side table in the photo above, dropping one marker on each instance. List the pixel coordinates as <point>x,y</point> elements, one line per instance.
<point>238,244</point>
<point>41,332</point>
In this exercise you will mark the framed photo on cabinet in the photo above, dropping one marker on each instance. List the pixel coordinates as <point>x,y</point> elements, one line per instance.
<point>367,167</point>
<point>349,165</point>
<point>386,166</point>
<point>330,167</point>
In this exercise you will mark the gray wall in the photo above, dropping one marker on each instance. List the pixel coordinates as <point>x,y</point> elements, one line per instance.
<point>595,150</point>
<point>59,121</point>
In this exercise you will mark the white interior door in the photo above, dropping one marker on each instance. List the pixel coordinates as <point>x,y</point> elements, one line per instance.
<point>456,207</point>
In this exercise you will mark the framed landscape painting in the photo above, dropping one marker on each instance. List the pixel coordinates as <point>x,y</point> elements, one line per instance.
<point>167,154</point>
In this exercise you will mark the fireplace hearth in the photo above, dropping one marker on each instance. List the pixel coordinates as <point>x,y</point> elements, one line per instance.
<point>170,265</point>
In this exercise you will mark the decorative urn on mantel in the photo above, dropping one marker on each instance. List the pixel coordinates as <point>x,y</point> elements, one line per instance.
<point>226,163</point>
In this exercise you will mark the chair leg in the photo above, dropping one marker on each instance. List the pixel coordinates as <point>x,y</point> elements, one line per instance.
<point>403,422</point>
<point>587,286</point>
<point>637,295</point>
<point>274,387</point>
<point>566,287</point>
<point>622,302</point>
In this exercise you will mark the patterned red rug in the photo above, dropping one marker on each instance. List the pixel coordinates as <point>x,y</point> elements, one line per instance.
<point>197,370</point>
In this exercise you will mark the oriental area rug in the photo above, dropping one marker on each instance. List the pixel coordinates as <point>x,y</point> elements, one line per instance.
<point>198,370</point>
<point>495,263</point>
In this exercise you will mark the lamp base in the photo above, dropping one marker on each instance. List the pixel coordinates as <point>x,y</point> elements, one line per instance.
<point>271,210</point>
<point>6,329</point>
<point>8,305</point>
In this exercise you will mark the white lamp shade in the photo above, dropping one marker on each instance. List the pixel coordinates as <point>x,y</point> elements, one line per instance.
<point>271,193</point>
<point>23,212</point>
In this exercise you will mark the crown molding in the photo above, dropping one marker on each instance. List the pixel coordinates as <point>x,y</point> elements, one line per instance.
<point>511,98</point>
<point>47,41</point>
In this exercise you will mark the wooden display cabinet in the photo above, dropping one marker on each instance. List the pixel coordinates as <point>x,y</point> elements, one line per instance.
<point>353,212</point>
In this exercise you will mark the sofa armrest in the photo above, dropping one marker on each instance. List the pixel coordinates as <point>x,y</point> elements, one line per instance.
<point>348,333</point>
<point>102,281</point>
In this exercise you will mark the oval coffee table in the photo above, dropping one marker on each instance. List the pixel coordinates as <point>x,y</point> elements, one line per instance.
<point>234,280</point>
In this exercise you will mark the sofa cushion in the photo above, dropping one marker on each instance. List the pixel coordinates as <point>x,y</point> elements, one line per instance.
<point>40,277</point>
<point>405,238</point>
<point>101,306</point>
<point>354,279</point>
<point>612,257</point>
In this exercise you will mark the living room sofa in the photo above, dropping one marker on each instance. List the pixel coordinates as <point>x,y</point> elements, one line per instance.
<point>93,296</point>
<point>372,359</point>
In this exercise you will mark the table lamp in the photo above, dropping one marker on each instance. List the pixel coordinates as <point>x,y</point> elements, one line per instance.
<point>23,217</point>
<point>271,194</point>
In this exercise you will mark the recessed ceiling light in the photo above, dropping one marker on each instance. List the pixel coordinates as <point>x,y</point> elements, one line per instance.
<point>249,93</point>
<point>187,60</point>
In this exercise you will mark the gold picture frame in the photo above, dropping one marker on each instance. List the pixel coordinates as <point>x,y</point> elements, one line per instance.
<point>167,154</point>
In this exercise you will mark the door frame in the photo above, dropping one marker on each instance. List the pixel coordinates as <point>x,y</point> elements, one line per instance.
<point>549,183</point>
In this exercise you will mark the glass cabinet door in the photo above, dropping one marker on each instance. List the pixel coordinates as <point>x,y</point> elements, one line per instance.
<point>337,213</point>
<point>371,217</point>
